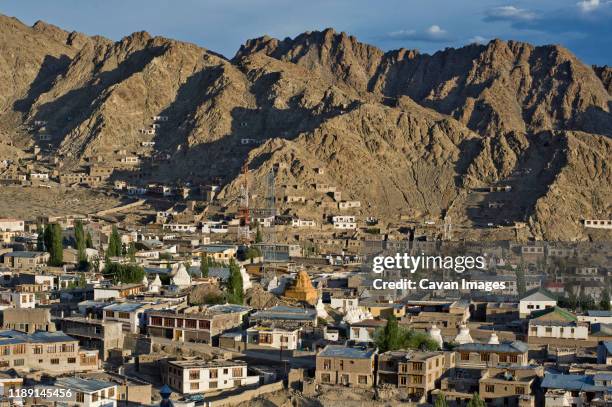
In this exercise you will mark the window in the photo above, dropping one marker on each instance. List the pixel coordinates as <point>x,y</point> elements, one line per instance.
<point>326,378</point>
<point>417,365</point>
<point>124,315</point>
<point>362,379</point>
<point>513,358</point>
<point>489,388</point>
<point>55,361</point>
<point>109,314</point>
<point>548,329</point>
<point>191,323</point>
<point>4,363</point>
<point>225,371</point>
<point>465,356</point>
<point>80,397</point>
<point>212,385</point>
<point>485,357</point>
<point>403,380</point>
<point>237,383</point>
<point>327,364</point>
<point>169,322</point>
<point>156,321</point>
<point>519,390</point>
<point>416,379</point>
<point>204,324</point>
<point>51,349</point>
<point>71,360</point>
<point>237,372</point>
<point>194,386</point>
<point>194,375</point>
<point>68,347</point>
<point>213,373</point>
<point>18,362</point>
<point>94,397</point>
<point>111,392</point>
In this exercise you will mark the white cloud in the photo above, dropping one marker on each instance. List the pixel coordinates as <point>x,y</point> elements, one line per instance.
<point>433,33</point>
<point>510,13</point>
<point>477,39</point>
<point>586,6</point>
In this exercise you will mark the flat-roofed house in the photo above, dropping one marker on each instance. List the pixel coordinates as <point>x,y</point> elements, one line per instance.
<point>338,364</point>
<point>200,376</point>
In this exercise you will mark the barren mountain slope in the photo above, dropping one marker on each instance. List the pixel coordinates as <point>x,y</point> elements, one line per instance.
<point>403,133</point>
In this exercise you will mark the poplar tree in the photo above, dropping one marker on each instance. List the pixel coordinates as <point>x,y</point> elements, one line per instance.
<point>234,285</point>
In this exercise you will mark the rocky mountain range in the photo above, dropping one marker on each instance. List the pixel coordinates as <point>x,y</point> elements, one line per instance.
<point>409,135</point>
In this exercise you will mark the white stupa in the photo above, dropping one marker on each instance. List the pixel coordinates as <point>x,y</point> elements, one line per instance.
<point>436,335</point>
<point>145,281</point>
<point>493,340</point>
<point>355,314</point>
<point>155,285</point>
<point>272,284</point>
<point>181,278</point>
<point>464,335</point>
<point>246,280</point>
<point>320,307</point>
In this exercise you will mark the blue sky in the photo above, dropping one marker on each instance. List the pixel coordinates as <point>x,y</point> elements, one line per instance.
<point>583,26</point>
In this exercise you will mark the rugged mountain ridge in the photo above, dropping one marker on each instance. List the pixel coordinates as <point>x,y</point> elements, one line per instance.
<point>407,134</point>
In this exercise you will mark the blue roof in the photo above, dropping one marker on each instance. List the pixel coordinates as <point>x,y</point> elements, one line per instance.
<point>287,313</point>
<point>83,385</point>
<point>339,351</point>
<point>608,346</point>
<point>506,347</point>
<point>12,337</point>
<point>566,381</point>
<point>124,306</point>
<point>217,248</point>
<point>222,273</point>
<point>23,254</point>
<point>597,313</point>
<point>229,308</point>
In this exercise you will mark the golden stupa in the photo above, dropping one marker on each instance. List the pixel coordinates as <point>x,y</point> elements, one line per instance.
<point>301,289</point>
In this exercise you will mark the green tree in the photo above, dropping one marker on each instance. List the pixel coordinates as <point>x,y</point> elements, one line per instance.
<point>40,239</point>
<point>53,242</point>
<point>604,302</point>
<point>394,337</point>
<point>234,284</point>
<point>252,252</point>
<point>521,285</point>
<point>88,240</point>
<point>440,400</point>
<point>131,252</point>
<point>476,401</point>
<point>114,244</point>
<point>124,273</point>
<point>204,265</point>
<point>79,235</point>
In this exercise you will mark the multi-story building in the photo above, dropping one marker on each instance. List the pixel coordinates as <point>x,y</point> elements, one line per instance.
<point>363,331</point>
<point>417,372</point>
<point>576,390</point>
<point>337,364</point>
<point>95,334</point>
<point>25,260</point>
<point>557,326</point>
<point>192,327</point>
<point>79,392</point>
<point>200,376</point>
<point>12,225</point>
<point>130,314</point>
<point>274,337</point>
<point>344,222</point>
<point>482,355</point>
<point>511,386</point>
<point>53,352</point>
<point>288,317</point>
<point>27,320</point>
